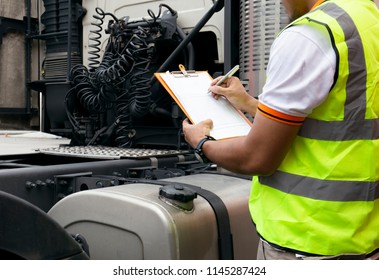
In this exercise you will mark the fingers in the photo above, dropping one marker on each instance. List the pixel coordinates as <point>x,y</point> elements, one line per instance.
<point>186,122</point>
<point>229,85</point>
<point>207,124</point>
<point>214,81</point>
<point>186,125</point>
<point>216,91</point>
<point>194,133</point>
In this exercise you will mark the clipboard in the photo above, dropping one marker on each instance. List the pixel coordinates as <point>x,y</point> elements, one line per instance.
<point>189,89</point>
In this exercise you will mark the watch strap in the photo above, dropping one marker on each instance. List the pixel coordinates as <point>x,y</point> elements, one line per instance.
<point>199,148</point>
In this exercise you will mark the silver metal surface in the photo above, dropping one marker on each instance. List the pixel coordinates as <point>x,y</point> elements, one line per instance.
<point>132,222</point>
<point>109,152</point>
<point>14,142</point>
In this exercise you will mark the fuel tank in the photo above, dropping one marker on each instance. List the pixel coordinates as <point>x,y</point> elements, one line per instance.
<point>201,216</point>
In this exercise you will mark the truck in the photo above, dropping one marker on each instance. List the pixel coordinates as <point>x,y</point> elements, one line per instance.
<point>102,170</point>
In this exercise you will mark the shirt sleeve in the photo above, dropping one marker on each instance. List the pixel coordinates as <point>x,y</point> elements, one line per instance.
<point>300,74</point>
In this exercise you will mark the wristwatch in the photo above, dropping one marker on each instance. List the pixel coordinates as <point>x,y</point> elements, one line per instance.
<point>199,149</point>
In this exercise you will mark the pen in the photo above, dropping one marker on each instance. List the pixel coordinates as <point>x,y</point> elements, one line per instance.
<point>227,76</point>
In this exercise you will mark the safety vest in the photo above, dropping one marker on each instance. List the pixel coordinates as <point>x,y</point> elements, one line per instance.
<point>324,197</point>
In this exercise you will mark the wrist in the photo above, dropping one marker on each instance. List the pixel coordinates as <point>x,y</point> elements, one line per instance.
<point>199,153</point>
<point>250,105</point>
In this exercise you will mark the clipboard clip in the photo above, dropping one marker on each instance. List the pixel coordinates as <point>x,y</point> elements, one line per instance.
<point>183,72</point>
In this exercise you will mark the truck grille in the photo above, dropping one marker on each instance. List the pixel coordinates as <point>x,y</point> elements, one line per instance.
<point>260,22</point>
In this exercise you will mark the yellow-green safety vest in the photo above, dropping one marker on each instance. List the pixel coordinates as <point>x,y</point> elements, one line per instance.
<point>324,197</point>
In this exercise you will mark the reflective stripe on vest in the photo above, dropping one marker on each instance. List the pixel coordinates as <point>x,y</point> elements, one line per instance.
<point>322,189</point>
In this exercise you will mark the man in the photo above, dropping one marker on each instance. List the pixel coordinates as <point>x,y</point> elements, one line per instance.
<point>314,143</point>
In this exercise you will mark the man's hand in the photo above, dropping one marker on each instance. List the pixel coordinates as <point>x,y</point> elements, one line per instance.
<point>194,133</point>
<point>234,91</point>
